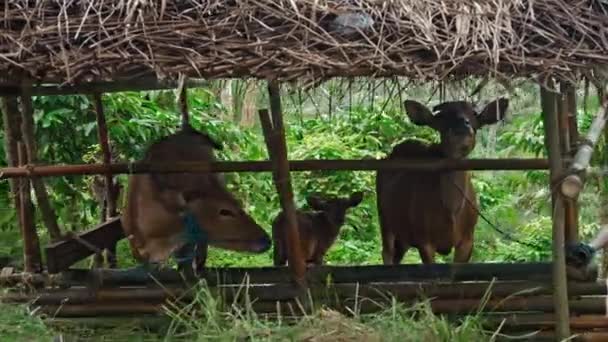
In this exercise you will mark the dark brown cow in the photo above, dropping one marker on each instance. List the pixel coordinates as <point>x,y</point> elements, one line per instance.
<point>158,204</point>
<point>427,210</point>
<point>318,230</point>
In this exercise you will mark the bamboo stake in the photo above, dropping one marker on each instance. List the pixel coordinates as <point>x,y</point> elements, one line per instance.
<point>12,133</point>
<point>32,260</point>
<point>110,187</point>
<point>572,185</point>
<point>183,102</point>
<point>27,129</point>
<point>570,133</point>
<point>560,296</point>
<point>296,261</point>
<point>266,166</point>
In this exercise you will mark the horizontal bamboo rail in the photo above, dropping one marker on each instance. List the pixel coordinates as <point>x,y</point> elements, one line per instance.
<point>138,84</point>
<point>275,275</point>
<point>595,305</point>
<point>521,321</point>
<point>266,166</point>
<point>284,292</point>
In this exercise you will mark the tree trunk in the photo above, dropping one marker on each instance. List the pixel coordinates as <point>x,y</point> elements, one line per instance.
<point>248,107</point>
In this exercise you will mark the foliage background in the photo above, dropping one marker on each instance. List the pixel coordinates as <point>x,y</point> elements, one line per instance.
<point>339,120</point>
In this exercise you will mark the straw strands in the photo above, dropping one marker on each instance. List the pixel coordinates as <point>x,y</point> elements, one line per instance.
<point>71,41</point>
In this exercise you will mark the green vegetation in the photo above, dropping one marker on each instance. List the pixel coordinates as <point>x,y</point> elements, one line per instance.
<point>517,202</point>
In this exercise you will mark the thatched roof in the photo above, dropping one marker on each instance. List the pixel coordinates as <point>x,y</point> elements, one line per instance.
<point>74,41</point>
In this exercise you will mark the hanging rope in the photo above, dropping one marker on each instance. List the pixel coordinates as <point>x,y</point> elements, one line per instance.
<point>502,232</point>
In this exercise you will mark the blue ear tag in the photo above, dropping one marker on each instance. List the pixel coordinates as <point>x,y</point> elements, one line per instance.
<point>192,234</point>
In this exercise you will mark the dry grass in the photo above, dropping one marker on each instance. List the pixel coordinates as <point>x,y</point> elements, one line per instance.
<point>75,41</point>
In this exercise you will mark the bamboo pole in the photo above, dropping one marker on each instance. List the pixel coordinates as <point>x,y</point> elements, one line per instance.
<point>560,296</point>
<point>110,198</point>
<point>567,110</point>
<point>32,260</point>
<point>183,102</point>
<point>137,84</point>
<point>296,261</point>
<point>285,291</point>
<point>274,275</point>
<point>12,134</point>
<point>266,166</point>
<point>572,185</point>
<point>27,129</point>
<point>101,309</point>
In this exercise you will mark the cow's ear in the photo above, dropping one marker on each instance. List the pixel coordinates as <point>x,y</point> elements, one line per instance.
<point>419,114</point>
<point>493,112</point>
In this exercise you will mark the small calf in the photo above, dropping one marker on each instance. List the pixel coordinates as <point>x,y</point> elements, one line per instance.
<point>318,230</point>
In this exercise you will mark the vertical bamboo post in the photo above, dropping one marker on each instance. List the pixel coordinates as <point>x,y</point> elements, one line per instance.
<point>32,261</point>
<point>27,129</point>
<point>110,188</point>
<point>277,148</point>
<point>560,294</point>
<point>567,110</point>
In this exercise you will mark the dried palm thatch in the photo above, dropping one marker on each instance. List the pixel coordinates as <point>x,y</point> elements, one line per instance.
<point>72,41</point>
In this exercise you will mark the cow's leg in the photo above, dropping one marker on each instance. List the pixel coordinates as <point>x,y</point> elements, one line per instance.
<point>427,253</point>
<point>184,257</point>
<point>399,252</point>
<point>278,254</point>
<point>200,257</point>
<point>463,252</point>
<point>388,248</point>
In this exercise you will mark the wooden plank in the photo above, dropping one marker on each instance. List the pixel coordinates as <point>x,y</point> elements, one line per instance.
<point>63,254</point>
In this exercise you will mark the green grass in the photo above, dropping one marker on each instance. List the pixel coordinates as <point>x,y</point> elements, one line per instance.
<point>206,318</point>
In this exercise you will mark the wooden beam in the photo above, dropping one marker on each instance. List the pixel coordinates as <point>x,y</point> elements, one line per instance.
<point>63,254</point>
<point>27,129</point>
<point>295,258</point>
<point>266,166</point>
<point>138,84</point>
<point>560,296</point>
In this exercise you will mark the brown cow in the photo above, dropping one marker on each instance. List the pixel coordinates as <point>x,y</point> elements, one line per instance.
<point>158,204</point>
<point>318,231</point>
<point>427,210</point>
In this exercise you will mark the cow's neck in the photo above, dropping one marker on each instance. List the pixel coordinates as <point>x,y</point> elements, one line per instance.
<point>330,225</point>
<point>453,186</point>
<point>453,189</point>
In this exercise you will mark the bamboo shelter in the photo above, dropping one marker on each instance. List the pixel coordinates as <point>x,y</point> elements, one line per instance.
<point>94,47</point>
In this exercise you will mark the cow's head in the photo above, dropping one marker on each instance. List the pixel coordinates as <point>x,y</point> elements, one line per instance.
<point>335,208</point>
<point>457,122</point>
<point>222,217</point>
